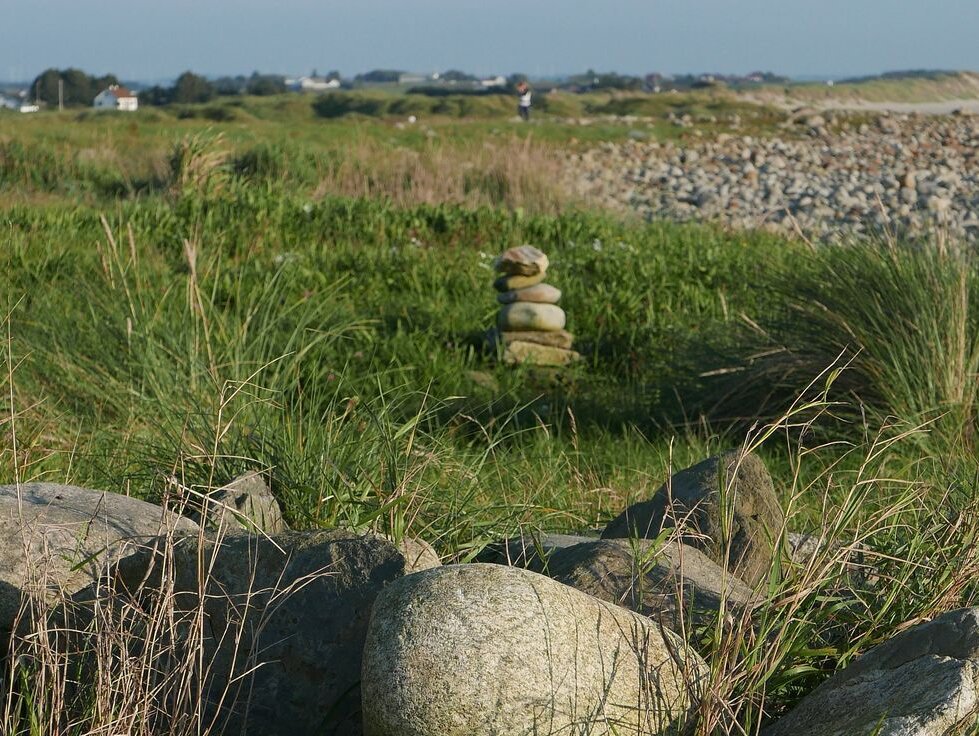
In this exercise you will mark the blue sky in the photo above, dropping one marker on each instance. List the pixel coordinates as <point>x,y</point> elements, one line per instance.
<point>151,39</point>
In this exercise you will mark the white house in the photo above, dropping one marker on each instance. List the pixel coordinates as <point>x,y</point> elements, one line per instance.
<point>116,97</point>
<point>313,84</point>
<point>17,103</point>
<point>491,82</point>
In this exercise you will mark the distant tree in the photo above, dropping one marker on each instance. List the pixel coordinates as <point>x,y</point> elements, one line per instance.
<point>230,85</point>
<point>514,80</point>
<point>454,75</point>
<point>378,76</point>
<point>79,87</point>
<point>190,87</point>
<point>265,84</point>
<point>330,76</point>
<point>592,80</point>
<point>156,95</point>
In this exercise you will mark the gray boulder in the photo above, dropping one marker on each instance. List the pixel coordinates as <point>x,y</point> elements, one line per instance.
<point>673,583</point>
<point>481,650</point>
<point>531,549</point>
<point>284,621</point>
<point>729,491</point>
<point>55,540</point>
<point>923,682</point>
<point>244,505</point>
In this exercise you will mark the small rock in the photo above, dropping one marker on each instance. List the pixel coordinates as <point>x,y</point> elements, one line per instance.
<point>419,555</point>
<point>541,293</point>
<point>484,650</point>
<point>244,505</point>
<point>524,260</point>
<point>530,316</point>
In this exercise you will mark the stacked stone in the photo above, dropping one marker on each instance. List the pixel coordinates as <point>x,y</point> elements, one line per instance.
<point>530,324</point>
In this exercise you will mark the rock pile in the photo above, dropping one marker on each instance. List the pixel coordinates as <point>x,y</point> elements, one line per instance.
<point>829,178</point>
<point>530,324</point>
<point>308,632</point>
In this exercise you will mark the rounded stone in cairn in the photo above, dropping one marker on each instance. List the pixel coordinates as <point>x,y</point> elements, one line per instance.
<point>524,260</point>
<point>510,283</point>
<point>541,293</point>
<point>530,316</point>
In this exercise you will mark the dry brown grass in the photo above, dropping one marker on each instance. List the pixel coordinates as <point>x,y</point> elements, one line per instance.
<point>514,173</point>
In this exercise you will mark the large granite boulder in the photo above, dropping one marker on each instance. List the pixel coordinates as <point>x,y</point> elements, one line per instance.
<point>923,682</point>
<point>55,540</point>
<point>284,620</point>
<point>482,650</point>
<point>672,582</point>
<point>726,506</point>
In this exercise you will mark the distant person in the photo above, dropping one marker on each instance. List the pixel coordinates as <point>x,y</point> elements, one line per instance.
<point>523,106</point>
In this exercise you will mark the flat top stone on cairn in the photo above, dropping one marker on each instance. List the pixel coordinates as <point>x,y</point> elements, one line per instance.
<point>524,260</point>
<point>530,319</point>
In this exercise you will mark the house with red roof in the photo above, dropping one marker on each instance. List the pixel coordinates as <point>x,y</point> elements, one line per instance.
<point>116,97</point>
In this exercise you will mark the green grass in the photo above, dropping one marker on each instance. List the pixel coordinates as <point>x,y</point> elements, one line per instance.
<point>177,317</point>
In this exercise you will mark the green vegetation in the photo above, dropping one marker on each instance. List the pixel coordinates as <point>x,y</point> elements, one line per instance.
<point>182,305</point>
<point>78,89</point>
<point>909,88</point>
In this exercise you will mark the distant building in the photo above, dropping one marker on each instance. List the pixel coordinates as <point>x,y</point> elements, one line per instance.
<point>116,97</point>
<point>496,81</point>
<point>313,84</point>
<point>20,104</point>
<point>406,78</point>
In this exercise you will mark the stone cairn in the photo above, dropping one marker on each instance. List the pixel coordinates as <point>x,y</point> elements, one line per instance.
<point>530,324</point>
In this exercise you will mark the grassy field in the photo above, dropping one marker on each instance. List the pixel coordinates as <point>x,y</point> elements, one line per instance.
<point>937,87</point>
<point>186,299</point>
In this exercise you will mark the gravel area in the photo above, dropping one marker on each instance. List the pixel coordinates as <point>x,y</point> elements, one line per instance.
<point>827,176</point>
